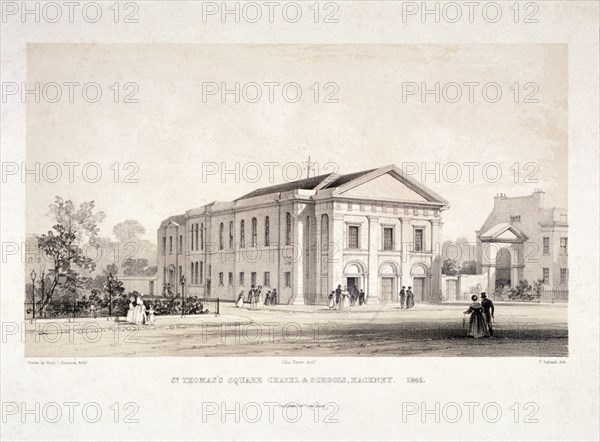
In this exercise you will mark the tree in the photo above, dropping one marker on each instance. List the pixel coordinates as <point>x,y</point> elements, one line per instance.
<point>134,266</point>
<point>449,267</point>
<point>64,246</point>
<point>468,268</point>
<point>128,230</point>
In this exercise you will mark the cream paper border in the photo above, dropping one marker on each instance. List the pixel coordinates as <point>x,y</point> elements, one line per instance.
<point>567,394</point>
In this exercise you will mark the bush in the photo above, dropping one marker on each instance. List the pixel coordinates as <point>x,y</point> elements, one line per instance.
<point>527,292</point>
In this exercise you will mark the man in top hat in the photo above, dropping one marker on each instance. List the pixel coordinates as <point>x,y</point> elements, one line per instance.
<point>488,310</point>
<point>402,296</point>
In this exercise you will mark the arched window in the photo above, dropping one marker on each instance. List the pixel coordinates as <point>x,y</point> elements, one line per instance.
<point>254,233</point>
<point>242,234</point>
<point>288,229</point>
<point>221,236</point>
<point>267,239</point>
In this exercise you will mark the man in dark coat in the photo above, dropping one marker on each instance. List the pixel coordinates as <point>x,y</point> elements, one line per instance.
<point>338,295</point>
<point>488,310</point>
<point>410,298</point>
<point>402,296</point>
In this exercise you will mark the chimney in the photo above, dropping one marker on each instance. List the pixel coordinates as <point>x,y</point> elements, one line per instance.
<point>538,196</point>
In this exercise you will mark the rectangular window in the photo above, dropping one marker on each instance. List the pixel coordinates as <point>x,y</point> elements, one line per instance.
<point>180,244</point>
<point>546,275</point>
<point>563,276</point>
<point>515,219</point>
<point>388,238</point>
<point>288,279</point>
<point>230,279</point>
<point>546,241</point>
<point>253,278</point>
<point>242,278</point>
<point>170,245</point>
<point>353,237</point>
<point>231,234</point>
<point>201,272</point>
<point>416,211</point>
<point>419,245</point>
<point>164,245</point>
<point>406,210</point>
<point>563,246</point>
<point>221,278</point>
<point>193,272</point>
<point>180,274</point>
<point>267,279</point>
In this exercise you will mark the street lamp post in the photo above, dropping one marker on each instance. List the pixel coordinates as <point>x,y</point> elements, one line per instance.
<point>182,281</point>
<point>33,275</point>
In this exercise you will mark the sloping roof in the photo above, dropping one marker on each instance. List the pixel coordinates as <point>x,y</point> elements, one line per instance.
<point>179,219</point>
<point>307,184</point>
<point>499,229</point>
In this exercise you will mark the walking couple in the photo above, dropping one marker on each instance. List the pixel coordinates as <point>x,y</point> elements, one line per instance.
<point>482,315</point>
<point>408,296</point>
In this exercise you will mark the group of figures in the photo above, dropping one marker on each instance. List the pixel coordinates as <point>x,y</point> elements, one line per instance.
<point>343,299</point>
<point>255,298</point>
<point>482,316</point>
<point>138,313</point>
<point>406,297</point>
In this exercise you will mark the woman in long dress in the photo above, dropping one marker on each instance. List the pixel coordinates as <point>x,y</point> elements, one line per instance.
<point>131,309</point>
<point>345,298</point>
<point>331,298</point>
<point>240,300</point>
<point>138,313</point>
<point>478,327</point>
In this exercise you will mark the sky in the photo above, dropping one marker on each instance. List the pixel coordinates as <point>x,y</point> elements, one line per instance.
<point>168,145</point>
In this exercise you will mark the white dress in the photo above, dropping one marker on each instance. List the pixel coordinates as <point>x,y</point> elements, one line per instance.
<point>130,312</point>
<point>345,299</point>
<point>138,312</point>
<point>240,302</point>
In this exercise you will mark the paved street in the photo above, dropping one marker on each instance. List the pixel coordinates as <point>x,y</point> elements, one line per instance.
<point>427,330</point>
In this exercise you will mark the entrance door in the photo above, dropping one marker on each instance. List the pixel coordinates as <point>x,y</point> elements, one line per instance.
<point>451,290</point>
<point>419,289</point>
<point>351,283</point>
<point>387,289</point>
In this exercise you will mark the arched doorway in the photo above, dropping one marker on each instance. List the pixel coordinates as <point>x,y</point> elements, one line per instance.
<point>418,275</point>
<point>354,276</point>
<point>388,280</point>
<point>503,268</point>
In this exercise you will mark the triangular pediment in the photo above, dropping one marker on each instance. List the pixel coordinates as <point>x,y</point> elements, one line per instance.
<point>391,184</point>
<point>384,187</point>
<point>503,232</point>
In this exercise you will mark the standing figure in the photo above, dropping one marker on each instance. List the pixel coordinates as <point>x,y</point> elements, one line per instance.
<point>410,298</point>
<point>402,296</point>
<point>361,297</point>
<point>338,296</point>
<point>488,310</point>
<point>331,299</point>
<point>151,315</point>
<point>252,298</point>
<point>355,296</point>
<point>268,298</point>
<point>258,296</point>
<point>345,298</point>
<point>274,297</point>
<point>130,310</point>
<point>478,327</point>
<point>240,300</point>
<point>139,313</point>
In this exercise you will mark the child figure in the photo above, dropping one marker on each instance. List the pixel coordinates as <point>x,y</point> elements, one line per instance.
<point>151,315</point>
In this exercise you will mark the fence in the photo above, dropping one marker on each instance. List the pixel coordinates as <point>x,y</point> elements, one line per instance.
<point>86,309</point>
<point>555,296</point>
